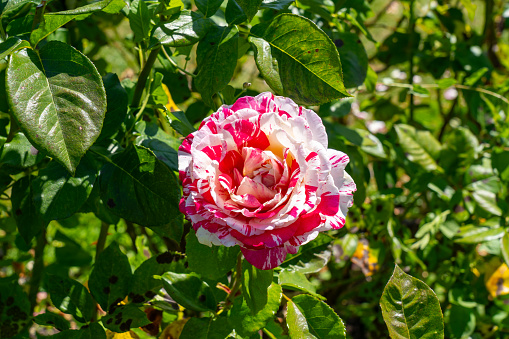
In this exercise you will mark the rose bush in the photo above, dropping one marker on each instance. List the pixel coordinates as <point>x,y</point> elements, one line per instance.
<point>258,174</point>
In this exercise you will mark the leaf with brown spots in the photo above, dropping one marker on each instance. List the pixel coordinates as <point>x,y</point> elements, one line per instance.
<point>111,265</point>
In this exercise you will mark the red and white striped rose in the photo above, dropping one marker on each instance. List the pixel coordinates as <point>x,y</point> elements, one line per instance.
<point>258,174</point>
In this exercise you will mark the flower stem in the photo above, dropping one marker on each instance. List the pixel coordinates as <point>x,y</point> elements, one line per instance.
<point>38,269</point>
<point>142,80</point>
<point>237,283</point>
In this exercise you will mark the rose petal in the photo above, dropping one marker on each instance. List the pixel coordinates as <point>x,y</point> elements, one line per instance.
<point>265,259</point>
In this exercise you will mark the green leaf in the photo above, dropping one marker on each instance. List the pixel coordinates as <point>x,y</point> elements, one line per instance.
<point>161,143</point>
<point>52,319</point>
<point>250,7</point>
<point>110,278</point>
<point>208,7</point>
<point>308,68</point>
<point>116,109</point>
<point>187,29</point>
<point>92,331</point>
<point>504,246</point>
<point>276,4</point>
<point>150,192</point>
<point>309,317</point>
<point>216,57</point>
<point>210,262</point>
<point>206,328</point>
<point>500,162</point>
<point>139,20</point>
<point>311,257</point>
<point>190,291</point>
<point>461,321</point>
<point>9,8</point>
<point>69,296</point>
<point>143,286</point>
<point>71,254</point>
<point>243,320</point>
<point>354,59</point>
<point>255,286</point>
<point>19,153</point>
<point>476,76</point>
<point>58,98</point>
<point>12,45</point>
<point>28,219</point>
<point>14,309</point>
<point>446,83</point>
<point>178,121</point>
<point>297,281</point>
<point>52,21</point>
<point>233,14</point>
<point>420,146</point>
<point>461,148</point>
<point>481,236</point>
<point>410,308</point>
<point>124,318</point>
<point>57,194</point>
<point>487,201</point>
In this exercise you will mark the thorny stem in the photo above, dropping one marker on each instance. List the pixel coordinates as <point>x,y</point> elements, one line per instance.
<point>142,80</point>
<point>38,269</point>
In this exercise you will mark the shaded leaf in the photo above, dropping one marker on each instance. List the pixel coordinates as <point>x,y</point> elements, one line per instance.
<point>30,223</point>
<point>19,153</point>
<point>208,7</point>
<point>52,319</point>
<point>150,193</point>
<point>57,194</point>
<point>311,257</point>
<point>249,7</point>
<point>216,57</point>
<point>143,286</point>
<point>124,318</point>
<point>190,291</point>
<point>69,296</point>
<point>92,331</point>
<point>116,109</point>
<point>354,59</point>
<point>206,328</point>
<point>14,308</point>
<point>110,278</point>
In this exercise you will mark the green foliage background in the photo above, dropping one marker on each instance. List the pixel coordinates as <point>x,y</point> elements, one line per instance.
<point>95,98</point>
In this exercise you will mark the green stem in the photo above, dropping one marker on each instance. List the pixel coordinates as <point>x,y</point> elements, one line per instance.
<point>39,14</point>
<point>463,87</point>
<point>101,241</point>
<point>237,283</point>
<point>268,333</point>
<point>142,80</point>
<point>174,64</point>
<point>38,270</point>
<point>411,59</point>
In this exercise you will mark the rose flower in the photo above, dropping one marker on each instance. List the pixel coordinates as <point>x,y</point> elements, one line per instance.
<point>258,174</point>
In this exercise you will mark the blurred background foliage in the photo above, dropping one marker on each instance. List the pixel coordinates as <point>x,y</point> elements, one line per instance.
<point>427,132</point>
